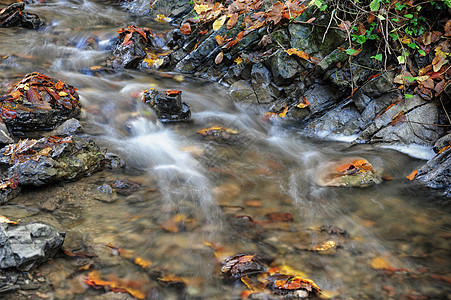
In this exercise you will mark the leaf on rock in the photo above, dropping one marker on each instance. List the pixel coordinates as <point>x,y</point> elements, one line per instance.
<point>219,58</point>
<point>448,28</point>
<point>127,38</point>
<point>275,13</point>
<point>116,285</point>
<point>219,22</point>
<point>220,40</point>
<point>412,175</point>
<point>297,52</point>
<point>304,103</point>
<point>185,28</point>
<point>59,85</point>
<point>232,21</point>
<point>325,246</point>
<point>399,118</point>
<point>173,92</point>
<point>345,25</point>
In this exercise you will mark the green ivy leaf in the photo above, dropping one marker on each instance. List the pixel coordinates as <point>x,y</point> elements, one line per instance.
<point>350,51</point>
<point>408,96</point>
<point>401,59</point>
<point>408,16</point>
<point>378,57</point>
<point>422,53</point>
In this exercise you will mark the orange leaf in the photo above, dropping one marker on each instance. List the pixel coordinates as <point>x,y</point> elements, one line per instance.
<point>232,21</point>
<point>398,118</point>
<point>141,32</point>
<point>143,262</point>
<point>15,94</point>
<point>304,103</point>
<point>5,220</point>
<point>412,175</point>
<point>173,92</point>
<point>59,85</point>
<point>127,38</point>
<point>444,149</point>
<point>310,20</point>
<point>220,40</point>
<point>185,28</point>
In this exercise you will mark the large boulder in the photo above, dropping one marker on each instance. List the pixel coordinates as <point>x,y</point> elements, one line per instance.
<point>437,172</point>
<point>24,247</point>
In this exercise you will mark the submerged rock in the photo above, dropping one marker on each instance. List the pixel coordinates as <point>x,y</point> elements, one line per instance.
<point>38,103</point>
<point>50,159</point>
<point>348,172</point>
<point>13,15</point>
<point>168,106</point>
<point>24,247</point>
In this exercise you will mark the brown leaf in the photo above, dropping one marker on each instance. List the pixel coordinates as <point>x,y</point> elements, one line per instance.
<point>370,18</point>
<point>275,13</point>
<point>448,28</point>
<point>141,32</point>
<point>219,58</point>
<point>185,28</point>
<point>398,118</point>
<point>425,70</point>
<point>33,95</point>
<point>220,40</point>
<point>232,21</point>
<point>310,20</point>
<point>428,83</point>
<point>345,26</point>
<point>361,29</point>
<point>280,217</point>
<point>439,87</point>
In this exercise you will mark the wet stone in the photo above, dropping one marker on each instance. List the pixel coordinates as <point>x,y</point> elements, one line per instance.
<point>124,187</point>
<point>24,247</point>
<point>39,103</point>
<point>242,264</point>
<point>347,172</point>
<point>168,106</point>
<point>13,15</point>
<point>50,159</point>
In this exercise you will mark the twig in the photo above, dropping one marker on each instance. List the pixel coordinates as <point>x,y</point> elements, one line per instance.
<point>328,26</point>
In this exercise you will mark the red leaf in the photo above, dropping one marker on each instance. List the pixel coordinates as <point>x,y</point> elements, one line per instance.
<point>185,28</point>
<point>59,85</point>
<point>33,95</point>
<point>173,92</point>
<point>8,113</point>
<point>141,32</point>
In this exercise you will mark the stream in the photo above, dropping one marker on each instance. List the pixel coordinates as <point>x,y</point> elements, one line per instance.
<point>200,200</point>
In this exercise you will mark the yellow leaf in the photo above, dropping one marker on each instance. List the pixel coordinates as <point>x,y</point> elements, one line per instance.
<point>219,22</point>
<point>405,40</point>
<point>5,220</point>
<point>422,78</point>
<point>379,263</point>
<point>238,60</point>
<point>162,19</point>
<point>179,78</point>
<point>297,52</point>
<point>283,113</point>
<point>62,94</point>
<point>206,131</point>
<point>142,262</point>
<point>201,8</point>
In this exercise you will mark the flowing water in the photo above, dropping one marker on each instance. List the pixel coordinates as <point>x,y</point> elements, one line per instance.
<point>201,199</point>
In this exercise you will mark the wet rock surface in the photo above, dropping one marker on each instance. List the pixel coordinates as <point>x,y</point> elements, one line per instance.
<point>168,106</point>
<point>50,159</point>
<point>24,247</point>
<point>347,172</point>
<point>437,172</point>
<point>38,103</point>
<point>13,15</point>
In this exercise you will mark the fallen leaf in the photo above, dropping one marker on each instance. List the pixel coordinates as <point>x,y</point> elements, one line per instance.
<point>297,52</point>
<point>143,262</point>
<point>219,58</point>
<point>345,26</point>
<point>173,92</point>
<point>219,22</point>
<point>444,149</point>
<point>412,175</point>
<point>324,246</point>
<point>220,40</point>
<point>448,28</point>
<point>283,113</point>
<point>275,13</point>
<point>185,28</point>
<point>232,21</point>
<point>5,220</point>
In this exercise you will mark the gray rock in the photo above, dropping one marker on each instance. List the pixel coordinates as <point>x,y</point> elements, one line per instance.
<point>379,85</point>
<point>442,142</point>
<point>68,127</point>
<point>331,60</point>
<point>260,74</point>
<point>321,98</point>
<point>361,101</point>
<point>24,247</point>
<point>167,106</point>
<point>242,91</point>
<point>437,172</point>
<point>340,120</point>
<point>283,67</point>
<point>5,137</point>
<point>67,159</point>
<point>13,15</point>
